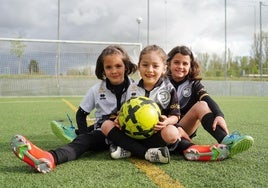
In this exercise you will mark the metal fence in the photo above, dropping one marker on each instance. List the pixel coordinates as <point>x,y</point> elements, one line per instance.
<point>237,88</point>
<point>67,68</point>
<point>77,86</point>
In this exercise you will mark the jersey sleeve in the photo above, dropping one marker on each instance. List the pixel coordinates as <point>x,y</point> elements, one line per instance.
<point>88,102</point>
<point>174,103</point>
<point>203,95</point>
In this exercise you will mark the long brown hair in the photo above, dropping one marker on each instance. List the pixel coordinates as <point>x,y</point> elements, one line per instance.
<point>194,64</point>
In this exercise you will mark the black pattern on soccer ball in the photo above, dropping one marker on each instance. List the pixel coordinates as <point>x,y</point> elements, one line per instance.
<point>138,116</point>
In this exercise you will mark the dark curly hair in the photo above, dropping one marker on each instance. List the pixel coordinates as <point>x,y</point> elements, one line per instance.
<point>194,64</point>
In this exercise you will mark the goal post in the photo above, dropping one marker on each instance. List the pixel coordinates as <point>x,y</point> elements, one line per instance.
<point>34,67</point>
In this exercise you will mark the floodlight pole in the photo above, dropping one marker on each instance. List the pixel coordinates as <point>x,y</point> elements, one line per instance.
<point>260,63</point>
<point>148,21</point>
<point>139,20</point>
<point>225,40</point>
<point>166,24</point>
<point>58,47</point>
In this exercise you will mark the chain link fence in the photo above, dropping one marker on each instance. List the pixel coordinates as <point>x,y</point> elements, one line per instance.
<point>78,86</point>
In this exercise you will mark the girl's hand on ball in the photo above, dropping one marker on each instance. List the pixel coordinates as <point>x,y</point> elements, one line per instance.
<point>162,118</point>
<point>116,123</point>
<point>162,123</point>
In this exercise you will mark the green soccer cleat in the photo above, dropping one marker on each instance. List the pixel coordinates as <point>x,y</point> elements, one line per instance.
<point>237,143</point>
<point>65,133</point>
<point>37,158</point>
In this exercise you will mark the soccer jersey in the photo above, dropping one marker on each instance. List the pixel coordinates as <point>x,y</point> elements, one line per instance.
<point>191,91</point>
<point>104,99</point>
<point>164,94</point>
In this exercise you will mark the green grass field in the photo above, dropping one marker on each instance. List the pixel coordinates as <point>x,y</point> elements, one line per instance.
<point>31,117</point>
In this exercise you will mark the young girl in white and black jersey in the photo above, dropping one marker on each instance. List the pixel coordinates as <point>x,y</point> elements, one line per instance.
<point>198,107</point>
<point>154,84</point>
<point>112,67</point>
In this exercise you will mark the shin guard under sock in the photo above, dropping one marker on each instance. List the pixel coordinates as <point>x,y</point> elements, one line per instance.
<point>207,122</point>
<point>183,145</point>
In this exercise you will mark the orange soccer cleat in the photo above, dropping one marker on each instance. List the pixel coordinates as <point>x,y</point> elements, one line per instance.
<point>37,158</point>
<point>215,152</point>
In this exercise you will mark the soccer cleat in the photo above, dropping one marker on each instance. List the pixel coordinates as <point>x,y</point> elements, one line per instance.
<point>65,133</point>
<point>117,152</point>
<point>158,155</point>
<point>237,143</point>
<point>37,158</point>
<point>215,152</point>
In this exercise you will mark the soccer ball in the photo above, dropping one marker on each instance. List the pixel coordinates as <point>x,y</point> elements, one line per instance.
<point>138,116</point>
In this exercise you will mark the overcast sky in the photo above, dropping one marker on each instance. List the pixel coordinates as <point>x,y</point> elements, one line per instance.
<point>199,24</point>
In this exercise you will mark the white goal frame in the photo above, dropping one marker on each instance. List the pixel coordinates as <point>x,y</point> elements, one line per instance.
<point>63,64</point>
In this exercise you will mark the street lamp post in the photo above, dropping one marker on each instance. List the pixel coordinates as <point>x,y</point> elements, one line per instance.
<point>139,20</point>
<point>225,40</point>
<point>148,22</point>
<point>58,47</point>
<point>261,37</point>
<point>260,64</point>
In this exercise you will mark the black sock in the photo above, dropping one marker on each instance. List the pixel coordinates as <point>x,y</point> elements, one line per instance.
<point>207,122</point>
<point>121,139</point>
<point>183,145</point>
<point>89,129</point>
<point>54,156</point>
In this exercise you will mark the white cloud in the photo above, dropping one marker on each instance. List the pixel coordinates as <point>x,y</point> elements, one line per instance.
<point>195,23</point>
<point>83,13</point>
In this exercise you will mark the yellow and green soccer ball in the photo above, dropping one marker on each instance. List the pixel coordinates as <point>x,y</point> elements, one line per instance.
<point>138,116</point>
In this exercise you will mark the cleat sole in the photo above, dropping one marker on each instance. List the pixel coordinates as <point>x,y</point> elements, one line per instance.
<point>22,149</point>
<point>241,146</point>
<point>58,130</point>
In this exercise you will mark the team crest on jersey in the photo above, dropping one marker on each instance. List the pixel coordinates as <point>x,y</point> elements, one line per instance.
<point>102,93</point>
<point>102,96</point>
<point>133,90</point>
<point>164,97</point>
<point>186,92</point>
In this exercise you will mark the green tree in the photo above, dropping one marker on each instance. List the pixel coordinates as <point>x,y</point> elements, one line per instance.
<point>215,67</point>
<point>255,50</point>
<point>17,48</point>
<point>33,67</point>
<point>253,66</point>
<point>234,69</point>
<point>203,60</point>
<point>265,52</point>
<point>244,65</point>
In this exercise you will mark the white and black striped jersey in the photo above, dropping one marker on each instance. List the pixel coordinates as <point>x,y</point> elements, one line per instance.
<point>191,91</point>
<point>164,94</point>
<point>104,99</point>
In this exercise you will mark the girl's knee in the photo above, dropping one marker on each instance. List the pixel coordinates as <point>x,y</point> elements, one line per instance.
<point>170,134</point>
<point>201,105</point>
<point>107,126</point>
<point>200,108</point>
